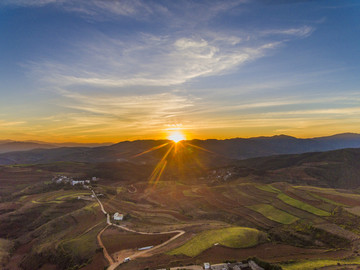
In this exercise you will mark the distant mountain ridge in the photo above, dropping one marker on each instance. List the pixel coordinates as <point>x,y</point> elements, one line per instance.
<point>11,146</point>
<point>231,149</point>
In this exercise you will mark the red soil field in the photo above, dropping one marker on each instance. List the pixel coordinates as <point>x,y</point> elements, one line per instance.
<point>115,240</point>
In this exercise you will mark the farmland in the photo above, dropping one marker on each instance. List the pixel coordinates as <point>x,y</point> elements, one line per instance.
<point>273,213</point>
<point>221,221</point>
<point>235,237</point>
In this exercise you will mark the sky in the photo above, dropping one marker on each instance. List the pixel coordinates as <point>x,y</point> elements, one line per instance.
<point>114,70</point>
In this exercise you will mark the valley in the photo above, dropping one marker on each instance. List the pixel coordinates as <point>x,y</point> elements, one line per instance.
<point>209,214</point>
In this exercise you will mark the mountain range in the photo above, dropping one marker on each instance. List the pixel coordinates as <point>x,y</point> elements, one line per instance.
<point>11,146</point>
<point>232,149</point>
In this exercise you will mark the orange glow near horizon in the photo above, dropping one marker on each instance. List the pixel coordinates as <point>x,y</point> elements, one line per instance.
<point>176,136</point>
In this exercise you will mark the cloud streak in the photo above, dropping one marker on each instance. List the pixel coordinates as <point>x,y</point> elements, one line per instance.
<point>151,61</point>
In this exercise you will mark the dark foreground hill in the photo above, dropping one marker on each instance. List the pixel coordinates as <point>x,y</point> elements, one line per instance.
<point>224,149</point>
<point>334,169</point>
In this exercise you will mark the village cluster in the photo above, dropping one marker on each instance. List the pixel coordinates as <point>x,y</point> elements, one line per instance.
<point>63,179</point>
<point>250,265</point>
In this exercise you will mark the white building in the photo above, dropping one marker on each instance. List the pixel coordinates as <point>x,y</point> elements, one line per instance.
<point>118,216</point>
<point>206,265</point>
<point>76,182</point>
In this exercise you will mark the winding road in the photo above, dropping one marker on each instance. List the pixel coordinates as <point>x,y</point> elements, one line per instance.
<point>120,260</point>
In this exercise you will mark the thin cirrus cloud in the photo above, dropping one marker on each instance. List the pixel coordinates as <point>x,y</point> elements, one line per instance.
<point>138,9</point>
<point>153,60</point>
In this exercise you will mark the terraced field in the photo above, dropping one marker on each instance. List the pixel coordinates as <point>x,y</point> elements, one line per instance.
<point>301,205</point>
<point>317,264</point>
<point>59,196</point>
<point>273,213</point>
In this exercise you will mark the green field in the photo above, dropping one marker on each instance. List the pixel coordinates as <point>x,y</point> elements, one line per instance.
<point>268,188</point>
<point>60,196</point>
<point>235,237</point>
<point>273,213</point>
<point>317,264</point>
<point>303,206</point>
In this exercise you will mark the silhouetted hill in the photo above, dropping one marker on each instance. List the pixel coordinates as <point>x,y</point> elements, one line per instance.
<point>223,149</point>
<point>276,145</point>
<point>11,146</point>
<point>22,146</point>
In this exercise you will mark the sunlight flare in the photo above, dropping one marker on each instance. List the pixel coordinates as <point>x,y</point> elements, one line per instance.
<point>176,136</point>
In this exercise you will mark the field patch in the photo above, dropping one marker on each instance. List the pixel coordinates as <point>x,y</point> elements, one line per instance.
<point>354,210</point>
<point>234,237</point>
<point>316,264</point>
<point>301,205</point>
<point>5,247</point>
<point>326,200</point>
<point>115,240</point>
<point>268,188</point>
<point>338,196</point>
<point>273,213</point>
<point>60,196</point>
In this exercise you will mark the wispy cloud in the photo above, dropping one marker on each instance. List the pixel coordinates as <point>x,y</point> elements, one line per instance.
<point>303,31</point>
<point>150,60</point>
<point>139,9</point>
<point>4,124</point>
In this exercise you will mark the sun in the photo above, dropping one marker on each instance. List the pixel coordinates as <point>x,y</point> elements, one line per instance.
<point>176,136</point>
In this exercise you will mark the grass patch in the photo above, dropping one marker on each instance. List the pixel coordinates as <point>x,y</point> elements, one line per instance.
<point>59,197</point>
<point>316,264</point>
<point>83,246</point>
<point>268,188</point>
<point>273,213</point>
<point>75,195</point>
<point>234,237</point>
<point>303,206</point>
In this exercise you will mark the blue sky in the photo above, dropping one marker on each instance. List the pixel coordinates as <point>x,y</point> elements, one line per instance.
<point>101,70</point>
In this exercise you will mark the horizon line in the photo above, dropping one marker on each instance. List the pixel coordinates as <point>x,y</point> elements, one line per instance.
<point>166,139</point>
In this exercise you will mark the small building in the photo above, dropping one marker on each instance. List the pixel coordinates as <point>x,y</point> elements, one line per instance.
<point>206,265</point>
<point>221,266</point>
<point>253,265</point>
<point>145,248</point>
<point>118,216</point>
<point>77,182</point>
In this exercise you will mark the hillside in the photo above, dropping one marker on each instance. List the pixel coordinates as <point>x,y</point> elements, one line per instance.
<point>335,169</point>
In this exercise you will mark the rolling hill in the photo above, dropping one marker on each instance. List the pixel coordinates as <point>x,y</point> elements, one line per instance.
<point>334,169</point>
<point>230,149</point>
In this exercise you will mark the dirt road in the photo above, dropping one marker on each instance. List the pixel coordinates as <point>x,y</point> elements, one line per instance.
<point>119,259</point>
